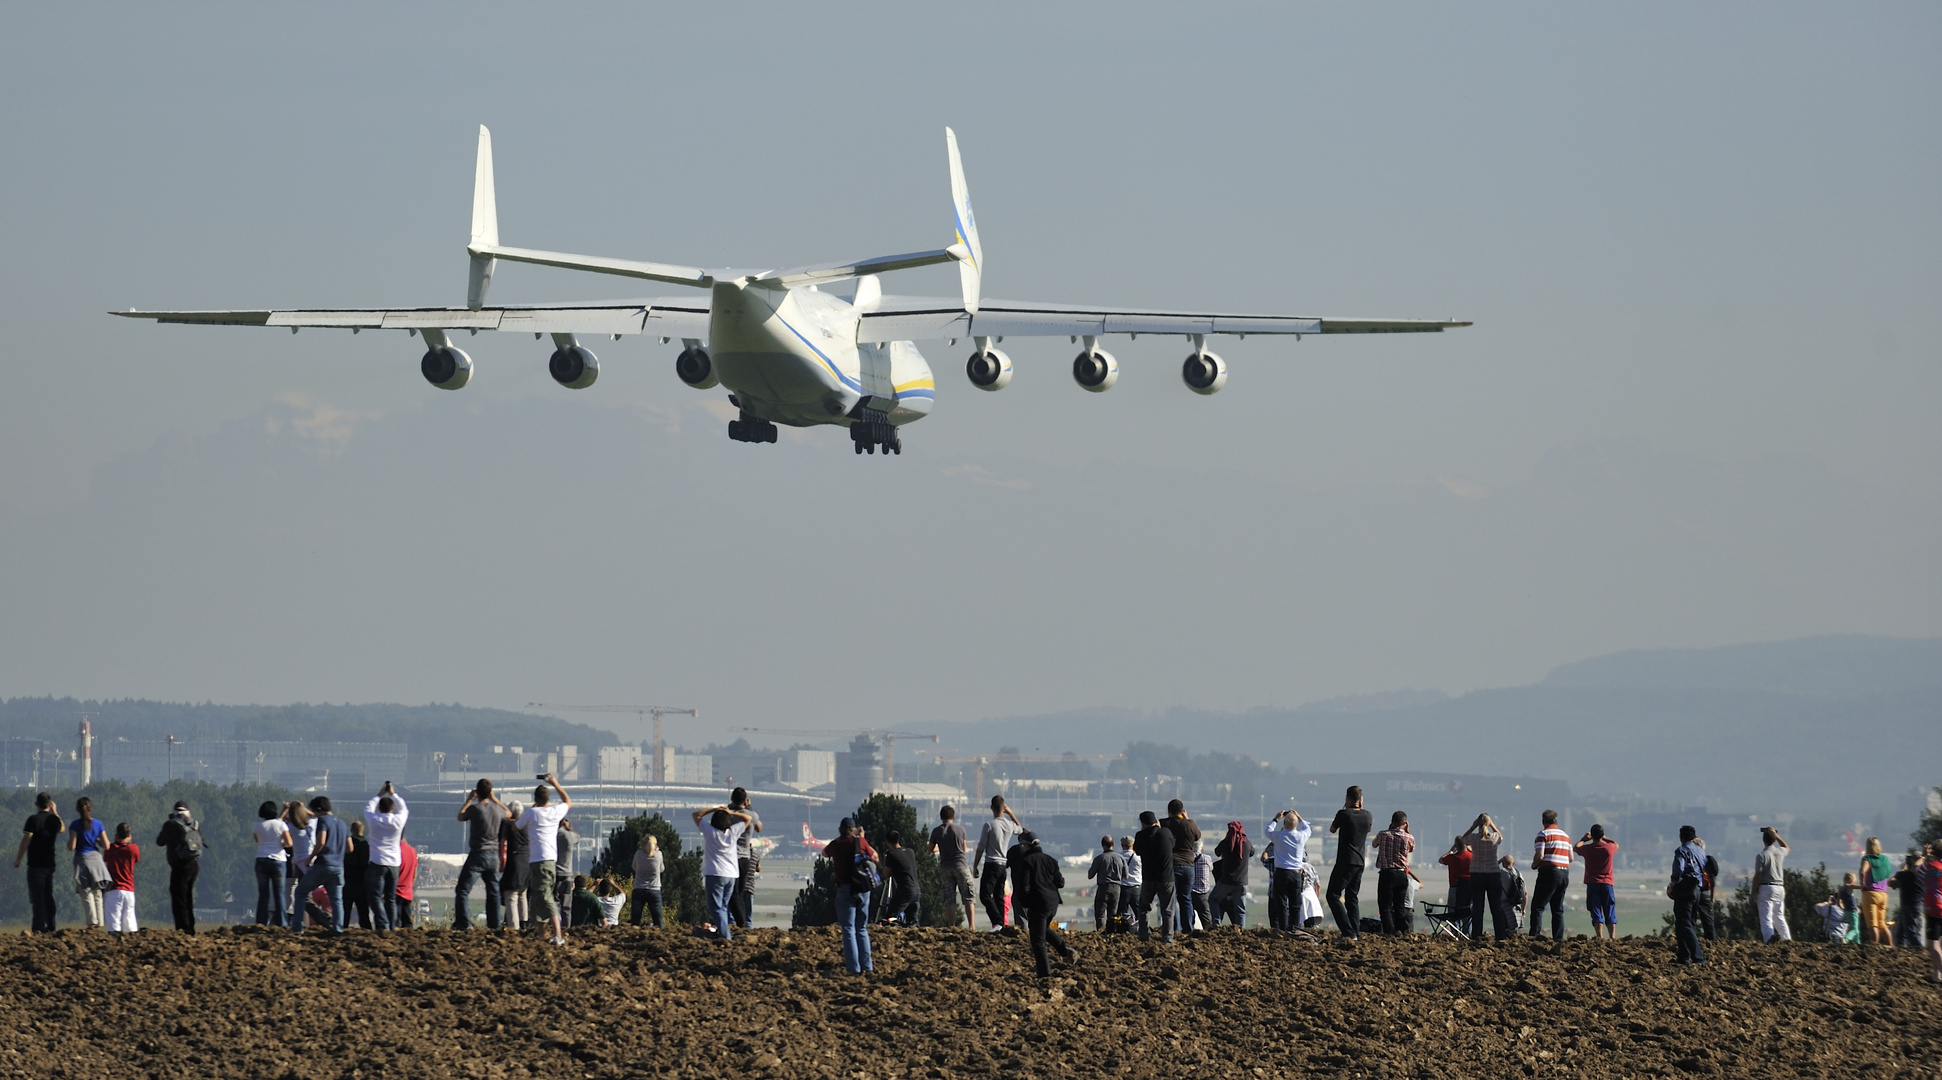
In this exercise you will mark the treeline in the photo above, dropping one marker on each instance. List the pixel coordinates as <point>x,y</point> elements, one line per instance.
<point>421,727</point>
<point>227,814</point>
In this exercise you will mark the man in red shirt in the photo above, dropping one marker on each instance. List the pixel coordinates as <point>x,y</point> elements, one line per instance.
<point>852,895</point>
<point>1553,864</point>
<point>1600,893</point>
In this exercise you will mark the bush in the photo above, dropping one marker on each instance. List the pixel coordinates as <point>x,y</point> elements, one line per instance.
<point>1737,921</point>
<point>682,897</point>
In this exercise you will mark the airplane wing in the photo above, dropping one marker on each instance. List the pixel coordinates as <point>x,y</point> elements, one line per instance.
<point>905,318</point>
<point>664,317</point>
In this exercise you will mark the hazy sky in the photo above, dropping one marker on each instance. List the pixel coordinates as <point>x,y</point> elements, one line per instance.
<point>1698,407</point>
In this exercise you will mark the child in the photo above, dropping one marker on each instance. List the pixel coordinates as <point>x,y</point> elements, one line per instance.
<point>121,858</point>
<point>1850,910</point>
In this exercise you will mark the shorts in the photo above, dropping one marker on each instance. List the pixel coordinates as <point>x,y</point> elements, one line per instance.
<point>958,878</point>
<point>1935,928</point>
<point>539,891</point>
<point>1602,900</point>
<point>1874,910</point>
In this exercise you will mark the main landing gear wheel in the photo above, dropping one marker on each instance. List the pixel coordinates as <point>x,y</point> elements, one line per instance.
<point>751,429</point>
<point>868,434</point>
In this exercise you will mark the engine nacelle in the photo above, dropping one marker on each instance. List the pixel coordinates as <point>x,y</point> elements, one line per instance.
<point>446,367</point>
<point>573,367</point>
<point>1096,371</point>
<point>696,369</point>
<point>989,370</point>
<point>1204,373</point>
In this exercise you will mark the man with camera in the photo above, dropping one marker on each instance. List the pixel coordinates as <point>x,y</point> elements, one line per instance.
<point>1288,846</point>
<point>482,814</point>
<point>541,824</point>
<point>384,820</point>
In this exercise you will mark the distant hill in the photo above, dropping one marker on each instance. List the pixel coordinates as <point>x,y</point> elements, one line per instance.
<point>454,728</point>
<point>1831,724</point>
<point>1843,666</point>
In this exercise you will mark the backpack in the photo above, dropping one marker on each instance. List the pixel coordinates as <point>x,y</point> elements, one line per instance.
<point>188,843</point>
<point>863,873</point>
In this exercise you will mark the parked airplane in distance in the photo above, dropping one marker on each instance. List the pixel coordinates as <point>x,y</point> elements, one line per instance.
<point>809,840</point>
<point>786,351</point>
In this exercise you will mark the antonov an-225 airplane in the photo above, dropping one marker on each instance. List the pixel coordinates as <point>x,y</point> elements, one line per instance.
<point>788,352</point>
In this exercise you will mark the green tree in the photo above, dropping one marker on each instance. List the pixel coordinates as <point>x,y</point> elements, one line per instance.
<point>1929,829</point>
<point>816,903</point>
<point>682,896</point>
<point>877,816</point>
<point>226,814</point>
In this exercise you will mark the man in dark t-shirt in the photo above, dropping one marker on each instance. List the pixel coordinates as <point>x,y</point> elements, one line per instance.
<point>1186,838</point>
<point>1351,828</point>
<point>900,869</point>
<point>37,844</point>
<point>950,844</point>
<point>483,814</point>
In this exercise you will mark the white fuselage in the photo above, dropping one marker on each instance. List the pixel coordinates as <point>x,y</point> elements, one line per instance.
<point>791,357</point>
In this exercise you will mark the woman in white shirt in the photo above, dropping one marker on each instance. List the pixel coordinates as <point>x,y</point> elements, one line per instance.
<point>272,854</point>
<point>720,868</point>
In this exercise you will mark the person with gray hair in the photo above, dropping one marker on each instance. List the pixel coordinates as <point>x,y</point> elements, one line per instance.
<point>518,872</point>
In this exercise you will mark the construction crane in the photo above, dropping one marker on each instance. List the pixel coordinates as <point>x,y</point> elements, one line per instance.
<point>889,740</point>
<point>981,760</point>
<point>643,711</point>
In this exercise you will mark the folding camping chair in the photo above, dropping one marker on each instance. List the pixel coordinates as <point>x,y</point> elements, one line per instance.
<point>1445,921</point>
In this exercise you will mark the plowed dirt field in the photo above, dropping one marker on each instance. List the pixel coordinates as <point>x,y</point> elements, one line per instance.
<point>618,1003</point>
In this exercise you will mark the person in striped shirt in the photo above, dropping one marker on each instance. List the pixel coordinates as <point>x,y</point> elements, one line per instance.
<point>1552,862</point>
<point>1394,846</point>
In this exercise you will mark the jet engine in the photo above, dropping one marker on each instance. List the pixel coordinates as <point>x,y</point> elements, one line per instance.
<point>1204,373</point>
<point>446,367</point>
<point>989,370</point>
<point>1095,370</point>
<point>696,369</point>
<point>573,367</point>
